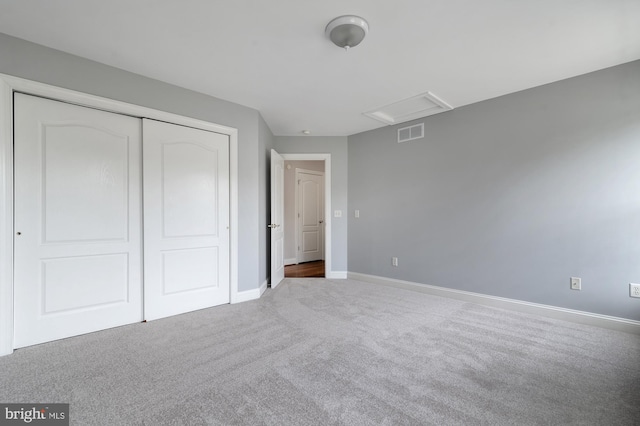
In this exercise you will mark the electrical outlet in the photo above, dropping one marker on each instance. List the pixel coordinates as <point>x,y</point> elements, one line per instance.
<point>634,290</point>
<point>394,261</point>
<point>576,283</point>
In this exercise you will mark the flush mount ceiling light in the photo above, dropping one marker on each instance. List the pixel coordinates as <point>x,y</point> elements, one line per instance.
<point>347,31</point>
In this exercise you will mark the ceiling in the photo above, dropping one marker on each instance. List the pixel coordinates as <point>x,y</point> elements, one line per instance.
<point>273,55</point>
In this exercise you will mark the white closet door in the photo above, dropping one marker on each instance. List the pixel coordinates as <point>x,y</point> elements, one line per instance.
<point>77,220</point>
<point>186,219</point>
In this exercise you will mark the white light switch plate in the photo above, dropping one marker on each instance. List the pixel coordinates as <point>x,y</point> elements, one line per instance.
<point>337,213</point>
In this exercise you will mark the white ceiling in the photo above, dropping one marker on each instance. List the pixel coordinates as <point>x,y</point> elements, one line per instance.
<point>273,55</point>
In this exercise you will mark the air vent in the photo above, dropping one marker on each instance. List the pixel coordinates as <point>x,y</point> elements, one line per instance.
<point>410,133</point>
<point>409,109</point>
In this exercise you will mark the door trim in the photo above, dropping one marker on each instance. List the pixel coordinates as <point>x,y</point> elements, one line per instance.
<point>297,211</point>
<point>9,85</point>
<point>327,202</point>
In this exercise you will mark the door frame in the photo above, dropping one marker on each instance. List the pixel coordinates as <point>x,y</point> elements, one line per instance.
<point>9,85</point>
<point>297,211</point>
<point>327,201</point>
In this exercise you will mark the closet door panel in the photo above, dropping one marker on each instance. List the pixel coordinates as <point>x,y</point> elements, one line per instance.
<point>77,220</point>
<point>186,219</point>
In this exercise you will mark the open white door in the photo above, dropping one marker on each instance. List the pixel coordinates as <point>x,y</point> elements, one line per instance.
<point>277,218</point>
<point>186,219</point>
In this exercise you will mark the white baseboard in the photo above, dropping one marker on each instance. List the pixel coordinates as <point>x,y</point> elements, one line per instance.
<point>337,275</point>
<point>580,317</point>
<point>245,296</point>
<point>291,261</point>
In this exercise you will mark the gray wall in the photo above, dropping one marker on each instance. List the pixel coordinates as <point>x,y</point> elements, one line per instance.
<point>34,62</point>
<point>265,144</point>
<point>510,197</point>
<point>337,147</point>
<point>290,245</point>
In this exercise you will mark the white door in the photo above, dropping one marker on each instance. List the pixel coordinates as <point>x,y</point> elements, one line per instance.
<point>77,220</point>
<point>186,219</point>
<point>310,215</point>
<point>277,218</point>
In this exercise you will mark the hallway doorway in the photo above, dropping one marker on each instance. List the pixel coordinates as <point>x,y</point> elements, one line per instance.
<point>304,218</point>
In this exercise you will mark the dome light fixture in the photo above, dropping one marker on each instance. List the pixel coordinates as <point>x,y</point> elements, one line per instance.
<point>347,31</point>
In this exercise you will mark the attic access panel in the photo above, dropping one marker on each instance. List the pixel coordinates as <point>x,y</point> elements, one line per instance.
<point>418,106</point>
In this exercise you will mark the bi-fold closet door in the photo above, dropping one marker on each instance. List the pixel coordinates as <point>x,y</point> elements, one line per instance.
<point>80,250</point>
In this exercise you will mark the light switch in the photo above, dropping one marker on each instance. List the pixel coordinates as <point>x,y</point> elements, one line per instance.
<point>337,213</point>
<point>357,213</point>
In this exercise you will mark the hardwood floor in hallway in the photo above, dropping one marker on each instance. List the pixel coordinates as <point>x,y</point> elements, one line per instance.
<point>305,270</point>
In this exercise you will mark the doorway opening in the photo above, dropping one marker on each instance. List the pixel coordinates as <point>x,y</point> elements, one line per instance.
<point>304,218</point>
<point>307,195</point>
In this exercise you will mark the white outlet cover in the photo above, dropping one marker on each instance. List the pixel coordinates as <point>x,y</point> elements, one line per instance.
<point>337,213</point>
<point>576,283</point>
<point>634,290</point>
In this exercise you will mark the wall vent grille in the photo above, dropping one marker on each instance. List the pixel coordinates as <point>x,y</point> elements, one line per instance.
<point>410,133</point>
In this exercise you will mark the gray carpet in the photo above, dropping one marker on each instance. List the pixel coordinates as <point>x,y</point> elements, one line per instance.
<point>323,352</point>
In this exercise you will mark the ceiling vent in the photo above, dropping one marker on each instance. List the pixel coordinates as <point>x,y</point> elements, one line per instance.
<point>410,109</point>
<point>410,133</point>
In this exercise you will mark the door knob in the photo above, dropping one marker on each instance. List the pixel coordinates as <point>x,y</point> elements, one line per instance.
<point>322,221</point>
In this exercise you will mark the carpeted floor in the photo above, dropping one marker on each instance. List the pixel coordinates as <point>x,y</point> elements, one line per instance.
<point>323,352</point>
